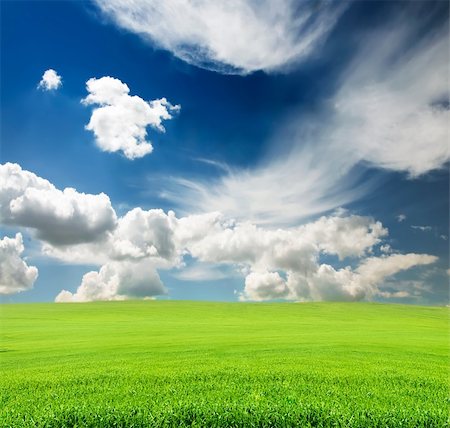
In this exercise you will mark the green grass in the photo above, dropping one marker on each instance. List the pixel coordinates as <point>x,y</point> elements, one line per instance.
<point>162,363</point>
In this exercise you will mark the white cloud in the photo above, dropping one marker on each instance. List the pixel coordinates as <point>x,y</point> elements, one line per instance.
<point>375,269</point>
<point>401,217</point>
<point>58,217</point>
<point>117,281</point>
<point>137,235</point>
<point>238,36</point>
<point>119,122</point>
<point>141,234</point>
<point>50,81</point>
<point>295,252</point>
<point>200,272</point>
<point>317,183</point>
<point>285,263</point>
<point>265,286</point>
<point>277,263</point>
<point>210,238</point>
<point>392,107</point>
<point>346,236</point>
<point>15,274</point>
<point>389,111</point>
<point>386,248</point>
<point>327,283</point>
<point>162,240</point>
<point>422,228</point>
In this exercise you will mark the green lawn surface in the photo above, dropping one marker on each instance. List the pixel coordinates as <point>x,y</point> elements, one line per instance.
<point>182,363</point>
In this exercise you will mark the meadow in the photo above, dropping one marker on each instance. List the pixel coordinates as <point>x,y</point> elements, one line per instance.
<point>179,364</point>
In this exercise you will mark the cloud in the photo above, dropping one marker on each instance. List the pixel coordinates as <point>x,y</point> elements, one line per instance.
<point>58,217</point>
<point>15,274</point>
<point>116,281</point>
<point>200,272</point>
<point>392,106</point>
<point>278,263</point>
<point>137,235</point>
<point>375,269</point>
<point>422,228</point>
<point>285,263</point>
<point>141,234</point>
<point>211,238</point>
<point>389,111</point>
<point>401,217</point>
<point>239,36</point>
<point>162,240</point>
<point>50,81</point>
<point>120,121</point>
<point>318,183</point>
<point>386,248</point>
<point>327,283</point>
<point>265,286</point>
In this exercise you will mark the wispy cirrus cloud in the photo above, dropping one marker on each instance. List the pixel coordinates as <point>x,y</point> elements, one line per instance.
<point>238,36</point>
<point>389,112</point>
<point>391,109</point>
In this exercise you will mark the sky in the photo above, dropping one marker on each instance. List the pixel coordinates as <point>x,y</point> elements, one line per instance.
<point>231,151</point>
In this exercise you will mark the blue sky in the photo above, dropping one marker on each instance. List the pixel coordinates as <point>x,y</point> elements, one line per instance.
<point>310,140</point>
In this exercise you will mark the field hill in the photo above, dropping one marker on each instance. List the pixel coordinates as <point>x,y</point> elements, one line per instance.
<point>168,363</point>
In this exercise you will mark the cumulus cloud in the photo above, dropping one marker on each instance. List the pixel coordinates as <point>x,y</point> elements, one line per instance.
<point>15,274</point>
<point>141,234</point>
<point>162,240</point>
<point>286,263</point>
<point>293,248</point>
<point>265,286</point>
<point>116,281</point>
<point>239,36</point>
<point>58,217</point>
<point>326,283</point>
<point>120,121</point>
<point>137,235</point>
<point>50,80</point>
<point>276,263</point>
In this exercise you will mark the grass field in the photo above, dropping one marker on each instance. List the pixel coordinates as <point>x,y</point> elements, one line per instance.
<point>162,363</point>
